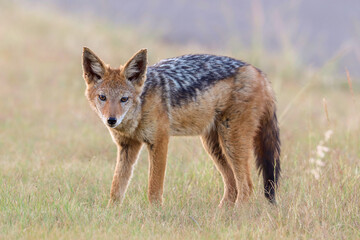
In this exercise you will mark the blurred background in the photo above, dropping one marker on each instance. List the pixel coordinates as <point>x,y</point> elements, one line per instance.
<point>316,32</point>
<point>57,158</point>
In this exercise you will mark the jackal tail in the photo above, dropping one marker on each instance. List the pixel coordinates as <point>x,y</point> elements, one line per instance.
<point>267,151</point>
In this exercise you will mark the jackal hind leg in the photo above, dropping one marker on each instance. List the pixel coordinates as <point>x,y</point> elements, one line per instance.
<point>236,134</point>
<point>211,144</point>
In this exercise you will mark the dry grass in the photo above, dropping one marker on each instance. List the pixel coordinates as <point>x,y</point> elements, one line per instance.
<point>56,158</point>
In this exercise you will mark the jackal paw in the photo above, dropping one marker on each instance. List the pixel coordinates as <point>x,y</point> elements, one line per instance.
<point>112,203</point>
<point>225,203</point>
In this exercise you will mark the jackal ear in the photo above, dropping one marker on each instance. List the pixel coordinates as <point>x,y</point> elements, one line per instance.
<point>93,67</point>
<point>135,68</point>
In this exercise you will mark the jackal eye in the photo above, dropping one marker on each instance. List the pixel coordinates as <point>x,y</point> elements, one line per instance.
<point>124,99</point>
<point>102,97</point>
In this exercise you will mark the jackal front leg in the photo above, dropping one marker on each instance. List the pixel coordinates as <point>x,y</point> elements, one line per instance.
<point>157,166</point>
<point>126,157</point>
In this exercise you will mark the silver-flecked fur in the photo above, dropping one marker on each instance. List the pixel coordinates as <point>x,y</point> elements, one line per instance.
<point>182,78</point>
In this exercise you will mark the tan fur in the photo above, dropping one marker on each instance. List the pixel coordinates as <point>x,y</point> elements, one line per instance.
<point>226,116</point>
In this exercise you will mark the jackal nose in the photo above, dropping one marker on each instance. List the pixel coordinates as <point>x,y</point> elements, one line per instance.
<point>111,120</point>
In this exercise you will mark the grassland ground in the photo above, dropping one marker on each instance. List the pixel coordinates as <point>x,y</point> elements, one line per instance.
<point>57,159</point>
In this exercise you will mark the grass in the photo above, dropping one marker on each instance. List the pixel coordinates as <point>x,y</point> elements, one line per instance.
<point>57,159</point>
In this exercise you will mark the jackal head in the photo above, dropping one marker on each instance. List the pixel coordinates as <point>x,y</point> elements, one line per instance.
<point>114,93</point>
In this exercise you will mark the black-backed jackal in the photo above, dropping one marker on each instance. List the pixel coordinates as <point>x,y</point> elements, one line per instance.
<point>229,103</point>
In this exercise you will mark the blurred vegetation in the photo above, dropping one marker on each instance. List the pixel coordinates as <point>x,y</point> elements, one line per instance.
<point>56,157</point>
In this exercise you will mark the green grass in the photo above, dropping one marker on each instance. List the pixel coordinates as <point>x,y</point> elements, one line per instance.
<point>57,159</point>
